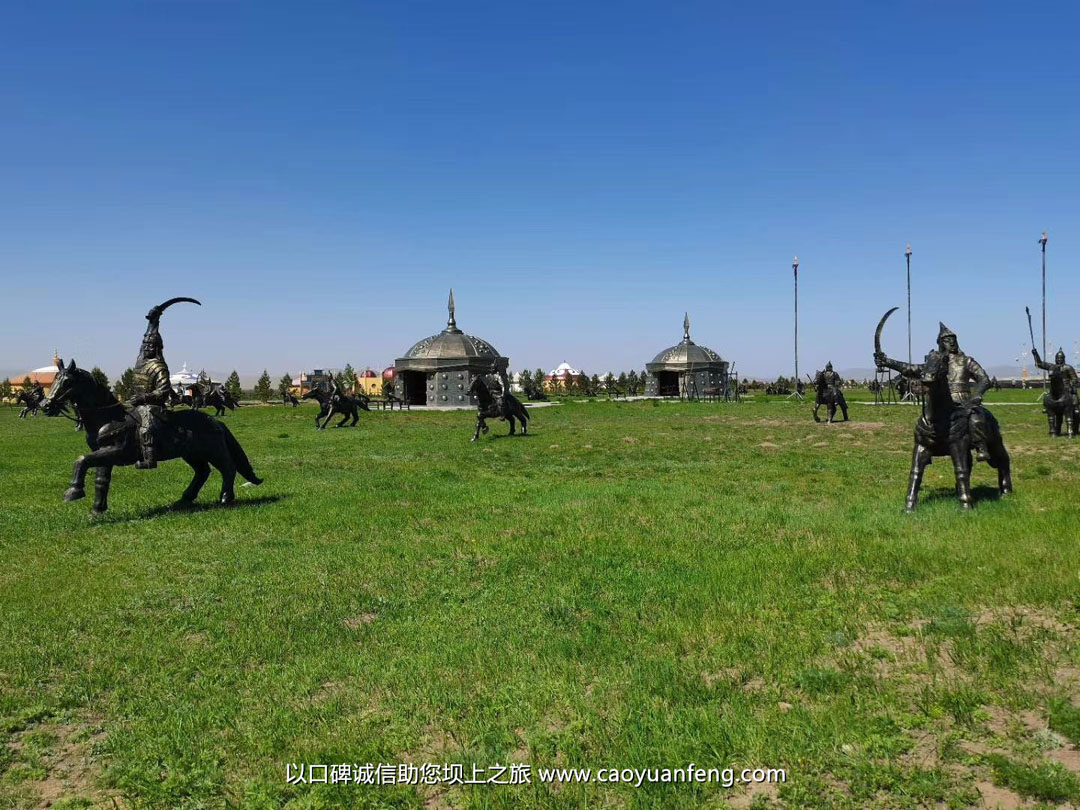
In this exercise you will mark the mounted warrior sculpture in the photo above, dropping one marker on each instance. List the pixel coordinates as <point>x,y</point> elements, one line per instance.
<point>1059,403</point>
<point>31,399</point>
<point>336,401</point>
<point>219,398</point>
<point>143,432</point>
<point>953,420</point>
<point>500,405</point>
<point>829,393</point>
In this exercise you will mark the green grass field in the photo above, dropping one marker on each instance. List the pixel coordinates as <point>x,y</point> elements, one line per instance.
<point>633,585</point>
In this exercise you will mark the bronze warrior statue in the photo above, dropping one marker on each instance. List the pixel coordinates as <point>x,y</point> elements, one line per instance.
<point>117,434</point>
<point>153,391</point>
<point>1059,403</point>
<point>491,403</point>
<point>953,420</point>
<point>829,388</point>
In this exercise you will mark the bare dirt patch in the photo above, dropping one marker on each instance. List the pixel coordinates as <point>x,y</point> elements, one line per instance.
<point>356,622</point>
<point>72,769</point>
<point>1069,757</point>
<point>753,790</point>
<point>768,446</point>
<point>999,798</point>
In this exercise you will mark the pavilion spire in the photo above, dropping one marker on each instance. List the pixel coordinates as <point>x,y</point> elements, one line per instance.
<point>451,323</point>
<point>686,326</point>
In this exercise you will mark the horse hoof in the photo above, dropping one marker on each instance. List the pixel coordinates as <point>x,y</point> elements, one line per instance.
<point>74,494</point>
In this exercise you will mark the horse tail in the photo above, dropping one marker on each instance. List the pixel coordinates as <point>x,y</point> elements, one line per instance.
<point>239,457</point>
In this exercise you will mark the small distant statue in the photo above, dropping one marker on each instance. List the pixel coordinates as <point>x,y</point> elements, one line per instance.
<point>494,400</point>
<point>31,400</point>
<point>336,401</point>
<point>1060,403</point>
<point>953,420</point>
<point>829,392</point>
<point>289,398</point>
<point>219,398</point>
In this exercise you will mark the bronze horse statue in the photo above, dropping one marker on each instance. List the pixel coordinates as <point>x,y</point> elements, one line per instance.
<point>219,399</point>
<point>507,408</point>
<point>288,398</point>
<point>337,402</point>
<point>31,399</point>
<point>111,436</point>
<point>944,428</point>
<point>209,395</point>
<point>829,395</point>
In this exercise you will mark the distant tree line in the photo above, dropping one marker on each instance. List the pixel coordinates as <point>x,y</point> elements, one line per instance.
<point>624,384</point>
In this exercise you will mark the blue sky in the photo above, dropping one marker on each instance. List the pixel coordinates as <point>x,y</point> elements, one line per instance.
<point>320,174</point>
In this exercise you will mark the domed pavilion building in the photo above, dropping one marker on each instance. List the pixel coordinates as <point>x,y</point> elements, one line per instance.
<point>438,370</point>
<point>685,370</point>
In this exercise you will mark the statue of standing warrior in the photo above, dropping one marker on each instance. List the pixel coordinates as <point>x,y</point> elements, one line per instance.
<point>1060,401</point>
<point>829,388</point>
<point>152,390</point>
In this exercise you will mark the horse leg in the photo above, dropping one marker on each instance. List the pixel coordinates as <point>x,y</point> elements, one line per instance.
<point>961,458</point>
<point>832,412</point>
<point>816,417</point>
<point>77,488</point>
<point>202,472</point>
<point>228,476</point>
<point>843,407</point>
<point>1004,467</point>
<point>104,457</point>
<point>479,424</point>
<point>355,416</point>
<point>1050,420</point>
<point>102,479</point>
<point>920,457</point>
<point>511,420</point>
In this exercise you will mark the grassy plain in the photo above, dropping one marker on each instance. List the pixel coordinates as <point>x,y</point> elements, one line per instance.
<point>632,585</point>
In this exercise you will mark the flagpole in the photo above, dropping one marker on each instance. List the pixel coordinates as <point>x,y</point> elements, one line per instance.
<point>1042,242</point>
<point>795,266</point>
<point>907,255</point>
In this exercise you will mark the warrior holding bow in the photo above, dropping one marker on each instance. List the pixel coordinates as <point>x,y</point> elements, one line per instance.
<point>153,391</point>
<point>963,371</point>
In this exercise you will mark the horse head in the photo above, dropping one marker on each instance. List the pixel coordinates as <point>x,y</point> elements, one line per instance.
<point>68,387</point>
<point>934,369</point>
<point>479,389</point>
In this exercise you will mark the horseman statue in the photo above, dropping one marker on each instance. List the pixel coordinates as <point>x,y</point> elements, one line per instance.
<point>962,372</point>
<point>829,388</point>
<point>953,421</point>
<point>152,391</point>
<point>495,400</point>
<point>1060,403</point>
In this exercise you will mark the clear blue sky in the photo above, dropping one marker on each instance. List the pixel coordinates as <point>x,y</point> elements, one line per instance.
<point>320,174</point>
